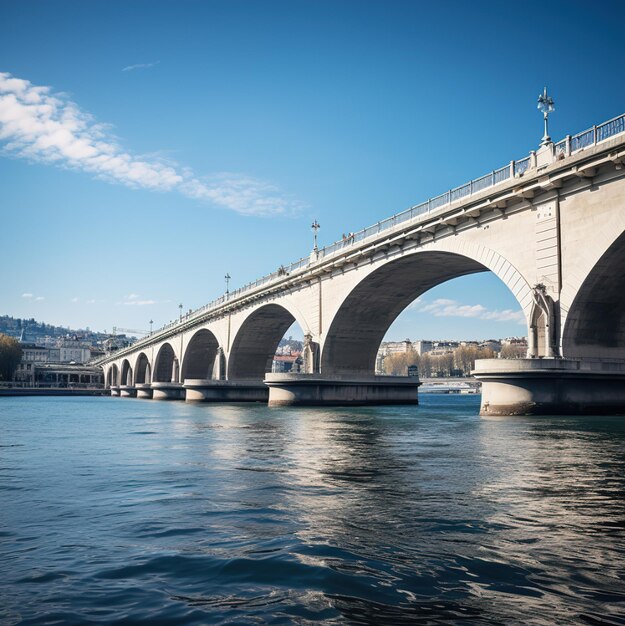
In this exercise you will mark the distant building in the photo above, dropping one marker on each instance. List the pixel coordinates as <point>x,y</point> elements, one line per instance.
<point>31,355</point>
<point>493,344</point>
<point>67,375</point>
<point>422,346</point>
<point>514,341</point>
<point>283,363</point>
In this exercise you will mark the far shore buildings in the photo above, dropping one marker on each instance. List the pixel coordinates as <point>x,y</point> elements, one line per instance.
<point>443,347</point>
<point>63,363</point>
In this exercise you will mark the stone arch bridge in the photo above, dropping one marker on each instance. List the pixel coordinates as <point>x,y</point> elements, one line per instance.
<point>551,227</point>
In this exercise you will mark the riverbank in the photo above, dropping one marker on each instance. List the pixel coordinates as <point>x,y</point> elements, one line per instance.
<point>51,391</point>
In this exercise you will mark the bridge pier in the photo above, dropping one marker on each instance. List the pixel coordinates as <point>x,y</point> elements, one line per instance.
<point>114,390</point>
<point>315,390</point>
<point>206,390</point>
<point>551,386</point>
<point>144,390</point>
<point>127,391</point>
<point>167,391</point>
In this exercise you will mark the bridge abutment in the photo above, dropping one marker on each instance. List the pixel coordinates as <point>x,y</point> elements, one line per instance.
<point>316,390</point>
<point>551,387</point>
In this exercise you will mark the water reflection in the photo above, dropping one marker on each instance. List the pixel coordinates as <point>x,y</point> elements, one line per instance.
<point>240,514</point>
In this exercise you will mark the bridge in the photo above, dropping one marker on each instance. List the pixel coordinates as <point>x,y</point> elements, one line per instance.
<point>550,226</point>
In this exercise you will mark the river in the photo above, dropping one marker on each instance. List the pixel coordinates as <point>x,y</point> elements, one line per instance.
<point>122,511</point>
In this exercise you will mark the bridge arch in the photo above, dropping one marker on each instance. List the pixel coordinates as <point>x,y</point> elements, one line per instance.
<point>364,316</point>
<point>113,376</point>
<point>200,355</point>
<point>166,365</point>
<point>143,371</point>
<point>595,322</point>
<point>256,341</point>
<point>126,373</point>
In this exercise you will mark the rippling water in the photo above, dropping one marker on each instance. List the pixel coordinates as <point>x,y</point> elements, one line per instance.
<point>121,511</point>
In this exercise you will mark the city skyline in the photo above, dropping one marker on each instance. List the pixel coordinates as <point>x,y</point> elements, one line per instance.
<point>206,144</point>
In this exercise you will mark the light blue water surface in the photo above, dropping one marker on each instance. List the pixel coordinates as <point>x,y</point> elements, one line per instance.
<point>125,511</point>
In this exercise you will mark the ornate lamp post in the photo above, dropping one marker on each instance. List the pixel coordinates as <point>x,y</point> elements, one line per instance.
<point>180,307</point>
<point>227,278</point>
<point>315,226</point>
<point>151,322</point>
<point>546,105</point>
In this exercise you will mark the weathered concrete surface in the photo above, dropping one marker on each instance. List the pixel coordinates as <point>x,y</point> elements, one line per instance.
<point>167,391</point>
<point>314,390</point>
<point>551,387</point>
<point>144,390</point>
<point>205,390</point>
<point>127,391</point>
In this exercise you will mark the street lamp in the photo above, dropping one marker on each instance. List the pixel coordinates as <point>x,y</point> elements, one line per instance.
<point>151,322</point>
<point>180,307</point>
<point>546,106</point>
<point>315,226</point>
<point>227,278</point>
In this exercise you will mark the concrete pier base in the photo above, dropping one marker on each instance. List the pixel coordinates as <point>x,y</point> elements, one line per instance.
<point>205,390</point>
<point>115,390</point>
<point>144,390</point>
<point>126,391</point>
<point>551,387</point>
<point>167,391</point>
<point>201,390</point>
<point>314,390</point>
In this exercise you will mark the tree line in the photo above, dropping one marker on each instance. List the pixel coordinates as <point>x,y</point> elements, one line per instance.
<point>458,362</point>
<point>10,356</point>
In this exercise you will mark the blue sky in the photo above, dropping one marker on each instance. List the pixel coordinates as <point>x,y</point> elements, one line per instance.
<point>212,133</point>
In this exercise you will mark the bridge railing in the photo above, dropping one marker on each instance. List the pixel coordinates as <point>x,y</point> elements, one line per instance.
<point>568,146</point>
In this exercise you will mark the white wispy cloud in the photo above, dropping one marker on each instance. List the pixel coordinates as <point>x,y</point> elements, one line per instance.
<point>443,307</point>
<point>76,299</point>
<point>32,297</point>
<point>47,127</point>
<point>134,299</point>
<point>140,302</point>
<point>139,66</point>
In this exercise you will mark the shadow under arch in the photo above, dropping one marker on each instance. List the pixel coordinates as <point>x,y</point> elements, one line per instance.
<point>595,323</point>
<point>166,365</point>
<point>113,376</point>
<point>199,357</point>
<point>143,371</point>
<point>359,326</point>
<point>126,373</point>
<point>256,342</point>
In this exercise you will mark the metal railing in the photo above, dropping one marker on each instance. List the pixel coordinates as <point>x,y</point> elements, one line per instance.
<point>568,146</point>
